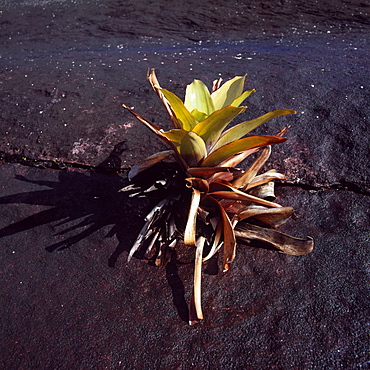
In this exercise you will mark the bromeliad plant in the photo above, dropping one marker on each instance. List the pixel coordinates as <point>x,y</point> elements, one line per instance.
<point>221,203</point>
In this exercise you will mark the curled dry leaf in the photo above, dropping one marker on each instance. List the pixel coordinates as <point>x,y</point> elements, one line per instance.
<point>263,182</point>
<point>148,162</point>
<point>264,190</point>
<point>283,242</point>
<point>243,181</point>
<point>272,217</point>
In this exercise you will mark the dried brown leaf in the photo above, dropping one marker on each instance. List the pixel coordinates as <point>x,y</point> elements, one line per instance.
<point>239,157</point>
<point>148,162</point>
<point>273,217</point>
<point>264,178</point>
<point>234,195</point>
<point>243,181</point>
<point>207,172</point>
<point>198,278</point>
<point>152,78</point>
<point>217,242</point>
<point>154,128</point>
<point>191,225</point>
<point>285,243</point>
<point>229,241</point>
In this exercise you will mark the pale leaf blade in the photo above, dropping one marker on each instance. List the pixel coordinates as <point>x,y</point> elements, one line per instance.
<point>239,157</point>
<point>242,129</point>
<point>198,278</point>
<point>189,145</point>
<point>206,172</point>
<point>229,240</point>
<point>188,121</point>
<point>229,245</point>
<point>250,173</point>
<point>197,97</point>
<point>236,195</point>
<point>265,178</point>
<point>211,128</point>
<point>217,242</point>
<point>221,190</point>
<point>228,92</point>
<point>216,84</point>
<point>239,100</point>
<point>191,225</point>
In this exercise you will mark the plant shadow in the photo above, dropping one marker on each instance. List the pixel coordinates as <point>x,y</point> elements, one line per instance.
<point>82,202</point>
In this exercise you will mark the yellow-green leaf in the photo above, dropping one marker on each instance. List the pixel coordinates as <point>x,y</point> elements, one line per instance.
<point>190,146</point>
<point>200,116</point>
<point>242,97</point>
<point>197,97</point>
<point>228,92</point>
<point>230,149</point>
<point>238,131</point>
<point>187,120</point>
<point>211,128</point>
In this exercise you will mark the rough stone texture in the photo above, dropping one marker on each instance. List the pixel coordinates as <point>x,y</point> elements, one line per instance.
<point>72,309</point>
<point>318,66</point>
<point>69,299</point>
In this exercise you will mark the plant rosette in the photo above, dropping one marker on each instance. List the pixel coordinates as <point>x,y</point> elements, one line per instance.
<point>221,203</point>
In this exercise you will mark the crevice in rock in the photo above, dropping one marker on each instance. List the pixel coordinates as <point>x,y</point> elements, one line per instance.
<point>342,185</point>
<point>55,164</point>
<point>61,165</point>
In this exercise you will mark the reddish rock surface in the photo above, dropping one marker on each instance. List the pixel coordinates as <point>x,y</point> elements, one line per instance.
<point>69,298</point>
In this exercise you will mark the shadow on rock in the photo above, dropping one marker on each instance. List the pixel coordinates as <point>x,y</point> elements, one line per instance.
<point>81,203</point>
<point>177,288</point>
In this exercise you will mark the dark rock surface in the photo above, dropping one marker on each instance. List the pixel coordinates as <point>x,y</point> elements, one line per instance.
<point>65,69</point>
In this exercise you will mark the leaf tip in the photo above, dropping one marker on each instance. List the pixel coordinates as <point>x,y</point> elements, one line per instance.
<point>193,316</point>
